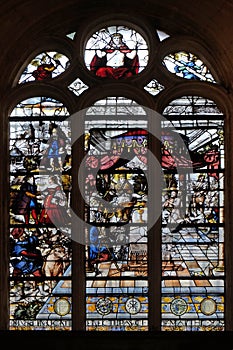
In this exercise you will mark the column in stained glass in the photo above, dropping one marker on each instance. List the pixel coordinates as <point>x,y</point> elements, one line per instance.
<point>40,182</point>
<point>192,217</point>
<point>116,197</point>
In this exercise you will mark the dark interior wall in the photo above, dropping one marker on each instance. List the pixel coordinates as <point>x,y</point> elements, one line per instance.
<point>119,341</point>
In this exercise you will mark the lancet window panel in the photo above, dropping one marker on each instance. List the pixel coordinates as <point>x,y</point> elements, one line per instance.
<point>193,274</point>
<point>40,237</point>
<point>116,212</point>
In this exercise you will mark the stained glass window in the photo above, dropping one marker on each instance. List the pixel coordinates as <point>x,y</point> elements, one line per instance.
<point>117,256</point>
<point>116,211</point>
<point>116,52</point>
<point>192,217</point>
<point>154,87</point>
<point>188,66</point>
<point>46,65</point>
<point>40,243</point>
<point>78,87</point>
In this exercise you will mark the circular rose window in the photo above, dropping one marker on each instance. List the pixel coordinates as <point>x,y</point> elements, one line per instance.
<point>116,52</point>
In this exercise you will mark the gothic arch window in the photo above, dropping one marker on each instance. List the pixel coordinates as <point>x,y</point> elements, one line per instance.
<point>116,271</point>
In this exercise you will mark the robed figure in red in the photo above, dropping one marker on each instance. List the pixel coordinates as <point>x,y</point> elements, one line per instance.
<point>116,60</point>
<point>55,204</point>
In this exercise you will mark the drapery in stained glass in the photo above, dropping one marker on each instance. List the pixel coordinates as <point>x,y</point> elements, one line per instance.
<point>116,198</point>
<point>40,183</point>
<point>192,217</point>
<point>116,52</point>
<point>46,65</point>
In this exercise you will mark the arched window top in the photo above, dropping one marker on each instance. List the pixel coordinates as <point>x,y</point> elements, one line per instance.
<point>192,105</point>
<point>117,134</point>
<point>116,52</point>
<point>46,65</point>
<point>39,107</point>
<point>116,106</point>
<point>188,66</point>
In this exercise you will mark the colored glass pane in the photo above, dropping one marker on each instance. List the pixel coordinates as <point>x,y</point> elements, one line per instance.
<point>187,65</point>
<point>46,65</point>
<point>116,52</point>
<point>116,211</point>
<point>154,87</point>
<point>192,217</point>
<point>162,35</point>
<point>78,87</point>
<point>71,35</point>
<point>40,250</point>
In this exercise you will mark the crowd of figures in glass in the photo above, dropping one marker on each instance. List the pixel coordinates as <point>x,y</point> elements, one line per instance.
<point>116,52</point>
<point>192,216</point>
<point>40,245</point>
<point>116,212</point>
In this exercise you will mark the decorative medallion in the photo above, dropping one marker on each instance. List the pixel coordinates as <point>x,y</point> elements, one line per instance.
<point>132,306</point>
<point>104,306</point>
<point>62,306</point>
<point>208,306</point>
<point>179,306</point>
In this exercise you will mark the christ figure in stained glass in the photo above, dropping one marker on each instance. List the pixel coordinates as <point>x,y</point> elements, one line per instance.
<point>116,60</point>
